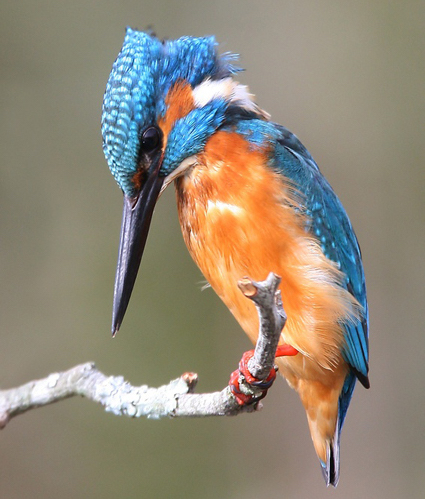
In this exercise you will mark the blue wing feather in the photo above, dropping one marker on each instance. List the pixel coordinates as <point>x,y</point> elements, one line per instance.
<point>330,225</point>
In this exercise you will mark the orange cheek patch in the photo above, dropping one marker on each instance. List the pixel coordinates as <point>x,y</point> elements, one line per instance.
<point>179,102</point>
<point>233,149</point>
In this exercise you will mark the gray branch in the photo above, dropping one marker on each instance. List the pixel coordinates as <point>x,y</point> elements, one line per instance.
<point>177,398</point>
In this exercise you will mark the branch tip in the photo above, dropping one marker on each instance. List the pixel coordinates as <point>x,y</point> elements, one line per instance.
<point>191,380</point>
<point>247,286</point>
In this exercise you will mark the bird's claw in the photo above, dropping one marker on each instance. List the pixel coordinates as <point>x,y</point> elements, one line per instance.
<point>245,387</point>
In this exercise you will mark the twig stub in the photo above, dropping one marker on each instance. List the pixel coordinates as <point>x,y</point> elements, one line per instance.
<point>247,286</point>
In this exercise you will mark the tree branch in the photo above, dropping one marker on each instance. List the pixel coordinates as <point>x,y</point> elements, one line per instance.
<point>176,399</point>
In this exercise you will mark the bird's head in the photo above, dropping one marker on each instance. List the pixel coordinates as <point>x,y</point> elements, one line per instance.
<point>163,100</point>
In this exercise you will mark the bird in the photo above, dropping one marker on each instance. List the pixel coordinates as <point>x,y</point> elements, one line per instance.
<point>250,200</point>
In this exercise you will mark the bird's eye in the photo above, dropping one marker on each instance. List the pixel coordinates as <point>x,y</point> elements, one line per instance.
<point>150,140</point>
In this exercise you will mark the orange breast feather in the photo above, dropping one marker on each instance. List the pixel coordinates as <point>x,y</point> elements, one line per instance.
<point>237,219</point>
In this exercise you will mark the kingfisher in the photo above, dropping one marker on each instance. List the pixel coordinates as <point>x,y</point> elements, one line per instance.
<point>251,200</point>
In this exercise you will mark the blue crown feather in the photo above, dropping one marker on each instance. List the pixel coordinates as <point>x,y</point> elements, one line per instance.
<point>141,76</point>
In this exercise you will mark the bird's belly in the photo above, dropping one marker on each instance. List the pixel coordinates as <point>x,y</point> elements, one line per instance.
<point>230,245</point>
<point>242,254</point>
<point>236,228</point>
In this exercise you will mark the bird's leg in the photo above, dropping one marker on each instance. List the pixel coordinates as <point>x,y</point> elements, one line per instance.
<point>257,371</point>
<point>245,387</point>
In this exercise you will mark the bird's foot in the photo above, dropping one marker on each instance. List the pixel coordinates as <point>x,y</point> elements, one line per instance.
<point>245,387</point>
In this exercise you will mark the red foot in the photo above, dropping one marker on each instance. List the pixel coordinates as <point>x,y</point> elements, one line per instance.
<point>263,385</point>
<point>285,351</point>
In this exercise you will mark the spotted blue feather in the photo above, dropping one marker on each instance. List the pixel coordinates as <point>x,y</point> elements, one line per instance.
<point>141,76</point>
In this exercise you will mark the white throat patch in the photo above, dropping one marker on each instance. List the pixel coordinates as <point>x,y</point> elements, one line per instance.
<point>183,166</point>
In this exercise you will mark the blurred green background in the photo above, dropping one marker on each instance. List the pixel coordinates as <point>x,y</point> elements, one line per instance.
<point>346,77</point>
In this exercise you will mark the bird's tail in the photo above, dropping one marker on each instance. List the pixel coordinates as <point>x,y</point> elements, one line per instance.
<point>330,468</point>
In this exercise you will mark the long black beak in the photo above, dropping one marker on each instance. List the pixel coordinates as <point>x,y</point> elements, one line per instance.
<point>136,219</point>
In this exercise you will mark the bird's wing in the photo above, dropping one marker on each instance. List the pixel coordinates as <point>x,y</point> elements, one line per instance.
<point>330,225</point>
